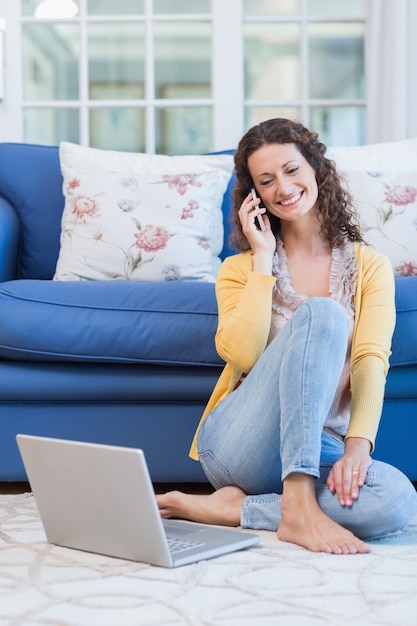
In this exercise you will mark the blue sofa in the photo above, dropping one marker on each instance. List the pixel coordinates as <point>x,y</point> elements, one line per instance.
<point>125,363</point>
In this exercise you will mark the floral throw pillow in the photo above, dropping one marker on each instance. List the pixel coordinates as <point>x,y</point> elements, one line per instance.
<point>383,181</point>
<point>141,217</point>
<point>387,205</point>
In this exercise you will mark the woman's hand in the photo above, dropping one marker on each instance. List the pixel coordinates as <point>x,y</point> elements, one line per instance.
<point>348,474</point>
<point>261,242</point>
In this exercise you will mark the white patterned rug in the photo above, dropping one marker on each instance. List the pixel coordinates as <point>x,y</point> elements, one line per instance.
<point>274,583</point>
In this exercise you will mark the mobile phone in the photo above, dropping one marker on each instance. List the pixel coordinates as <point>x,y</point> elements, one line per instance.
<point>259,218</point>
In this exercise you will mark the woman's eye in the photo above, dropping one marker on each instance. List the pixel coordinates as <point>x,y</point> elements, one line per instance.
<point>293,170</point>
<point>265,183</point>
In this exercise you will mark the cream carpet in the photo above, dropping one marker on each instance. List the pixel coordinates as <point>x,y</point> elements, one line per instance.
<point>273,584</point>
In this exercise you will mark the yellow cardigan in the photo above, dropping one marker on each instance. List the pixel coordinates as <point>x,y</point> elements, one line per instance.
<point>244,301</point>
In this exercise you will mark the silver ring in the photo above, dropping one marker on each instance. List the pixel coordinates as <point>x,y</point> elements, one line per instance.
<point>356,472</point>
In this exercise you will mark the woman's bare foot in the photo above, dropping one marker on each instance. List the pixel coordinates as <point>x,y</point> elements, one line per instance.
<point>221,507</point>
<point>305,524</point>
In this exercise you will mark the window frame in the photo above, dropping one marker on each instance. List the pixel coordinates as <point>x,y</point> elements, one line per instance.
<point>227,79</point>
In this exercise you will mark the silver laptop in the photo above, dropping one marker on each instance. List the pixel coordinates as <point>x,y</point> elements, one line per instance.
<point>100,498</point>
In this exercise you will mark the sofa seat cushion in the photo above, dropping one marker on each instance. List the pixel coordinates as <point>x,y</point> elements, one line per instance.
<point>404,341</point>
<point>121,321</point>
<point>109,321</point>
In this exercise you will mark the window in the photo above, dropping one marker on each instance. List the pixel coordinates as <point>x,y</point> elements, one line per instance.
<point>305,59</point>
<point>190,76</point>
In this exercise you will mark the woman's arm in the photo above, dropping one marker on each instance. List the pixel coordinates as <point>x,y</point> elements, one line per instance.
<point>371,348</point>
<point>371,345</point>
<point>245,303</point>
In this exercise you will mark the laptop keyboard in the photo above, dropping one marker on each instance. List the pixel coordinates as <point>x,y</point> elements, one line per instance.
<point>180,545</point>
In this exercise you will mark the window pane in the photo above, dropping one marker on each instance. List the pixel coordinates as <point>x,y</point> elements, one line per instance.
<point>183,130</point>
<point>116,60</point>
<point>336,8</point>
<point>115,7</point>
<point>272,61</point>
<point>181,6</point>
<point>336,60</point>
<point>271,7</point>
<point>182,60</point>
<point>28,7</point>
<point>256,115</point>
<point>118,129</point>
<point>339,126</point>
<point>50,126</point>
<point>50,61</point>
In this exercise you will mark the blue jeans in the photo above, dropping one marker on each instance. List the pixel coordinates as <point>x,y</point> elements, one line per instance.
<point>272,426</point>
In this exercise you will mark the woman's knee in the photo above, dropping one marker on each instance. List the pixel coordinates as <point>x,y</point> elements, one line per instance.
<point>327,320</point>
<point>329,314</point>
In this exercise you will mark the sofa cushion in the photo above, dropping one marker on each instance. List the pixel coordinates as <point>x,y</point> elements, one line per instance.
<point>141,217</point>
<point>31,180</point>
<point>109,321</point>
<point>404,341</point>
<point>383,181</point>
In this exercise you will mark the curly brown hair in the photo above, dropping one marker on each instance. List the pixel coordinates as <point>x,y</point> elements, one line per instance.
<point>335,204</point>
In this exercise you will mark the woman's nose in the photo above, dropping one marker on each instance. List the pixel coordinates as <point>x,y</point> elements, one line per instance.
<point>283,187</point>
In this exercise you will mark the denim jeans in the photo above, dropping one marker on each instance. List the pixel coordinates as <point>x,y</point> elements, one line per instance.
<point>272,426</point>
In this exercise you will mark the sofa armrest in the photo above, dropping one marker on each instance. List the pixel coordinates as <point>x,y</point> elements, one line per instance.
<point>9,241</point>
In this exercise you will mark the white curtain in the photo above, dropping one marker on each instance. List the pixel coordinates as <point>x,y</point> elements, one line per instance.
<point>392,71</point>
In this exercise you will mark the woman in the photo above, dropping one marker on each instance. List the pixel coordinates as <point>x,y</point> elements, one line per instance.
<point>306,316</point>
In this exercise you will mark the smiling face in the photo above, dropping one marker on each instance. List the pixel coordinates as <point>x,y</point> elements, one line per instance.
<point>285,180</point>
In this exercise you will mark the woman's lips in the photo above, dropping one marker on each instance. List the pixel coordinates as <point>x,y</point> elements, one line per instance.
<point>291,200</point>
